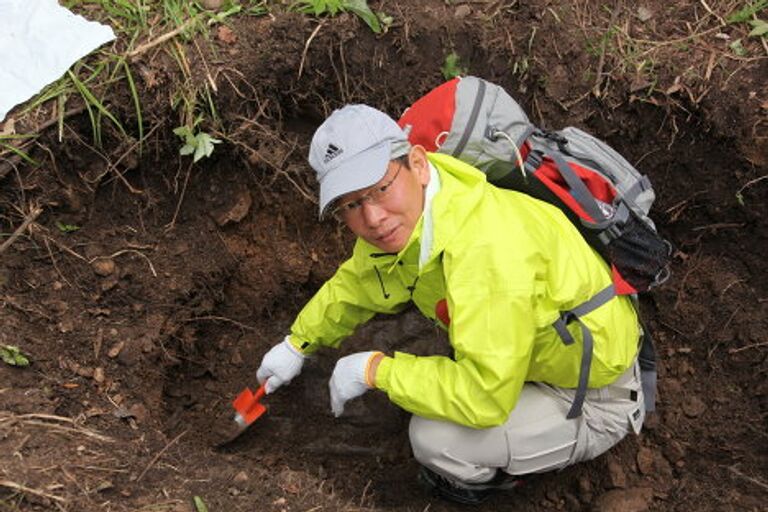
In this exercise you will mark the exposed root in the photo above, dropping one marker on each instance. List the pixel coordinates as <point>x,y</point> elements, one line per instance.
<point>735,471</point>
<point>306,47</point>
<point>208,76</point>
<point>33,214</point>
<point>220,319</point>
<point>163,38</point>
<point>747,347</point>
<point>28,490</point>
<point>171,224</point>
<point>53,422</point>
<point>55,264</point>
<point>160,454</point>
<point>66,249</point>
<point>738,192</point>
<point>113,166</point>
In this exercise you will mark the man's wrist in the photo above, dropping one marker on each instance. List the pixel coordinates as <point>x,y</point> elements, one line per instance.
<point>372,367</point>
<point>301,348</point>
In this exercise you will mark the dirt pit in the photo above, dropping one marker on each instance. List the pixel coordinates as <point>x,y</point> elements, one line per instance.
<point>145,322</point>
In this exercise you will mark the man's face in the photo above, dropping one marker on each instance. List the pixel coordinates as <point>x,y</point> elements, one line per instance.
<point>386,213</point>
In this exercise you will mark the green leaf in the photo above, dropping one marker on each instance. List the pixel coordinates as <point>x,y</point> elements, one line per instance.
<point>199,504</point>
<point>199,153</point>
<point>11,355</point>
<point>360,7</point>
<point>205,143</point>
<point>66,228</point>
<point>199,145</point>
<point>747,11</point>
<point>738,48</point>
<point>385,19</point>
<point>334,7</point>
<point>760,28</point>
<point>451,68</point>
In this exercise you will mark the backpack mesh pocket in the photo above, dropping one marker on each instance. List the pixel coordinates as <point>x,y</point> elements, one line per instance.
<point>639,254</point>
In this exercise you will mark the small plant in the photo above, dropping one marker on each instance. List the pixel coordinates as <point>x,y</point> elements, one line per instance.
<point>759,28</point>
<point>748,14</point>
<point>96,108</point>
<point>200,144</point>
<point>66,228</point>
<point>452,67</point>
<point>13,356</point>
<point>334,7</point>
<point>199,504</point>
<point>7,146</point>
<point>738,48</point>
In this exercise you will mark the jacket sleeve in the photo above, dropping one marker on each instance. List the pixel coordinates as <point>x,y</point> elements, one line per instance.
<point>350,298</point>
<point>492,331</point>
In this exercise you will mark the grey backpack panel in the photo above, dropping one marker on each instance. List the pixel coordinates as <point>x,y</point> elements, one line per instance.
<point>490,126</point>
<point>483,108</point>
<point>591,152</point>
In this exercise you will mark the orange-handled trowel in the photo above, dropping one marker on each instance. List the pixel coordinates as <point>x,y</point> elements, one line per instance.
<point>248,408</point>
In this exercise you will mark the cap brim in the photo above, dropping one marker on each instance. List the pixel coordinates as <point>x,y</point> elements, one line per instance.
<point>359,172</point>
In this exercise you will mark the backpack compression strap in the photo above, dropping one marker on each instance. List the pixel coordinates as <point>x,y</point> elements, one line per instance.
<point>560,325</point>
<point>647,360</point>
<point>579,191</point>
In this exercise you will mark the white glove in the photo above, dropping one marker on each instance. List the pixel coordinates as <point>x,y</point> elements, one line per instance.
<point>349,379</point>
<point>280,365</point>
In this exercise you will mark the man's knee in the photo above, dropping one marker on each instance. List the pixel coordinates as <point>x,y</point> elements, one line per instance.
<point>428,440</point>
<point>465,454</point>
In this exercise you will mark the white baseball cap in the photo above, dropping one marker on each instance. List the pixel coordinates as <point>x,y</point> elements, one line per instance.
<point>352,149</point>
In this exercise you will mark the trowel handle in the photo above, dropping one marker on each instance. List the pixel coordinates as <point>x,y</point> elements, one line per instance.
<point>259,394</point>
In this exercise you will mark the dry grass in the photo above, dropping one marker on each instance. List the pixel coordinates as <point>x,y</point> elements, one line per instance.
<point>630,42</point>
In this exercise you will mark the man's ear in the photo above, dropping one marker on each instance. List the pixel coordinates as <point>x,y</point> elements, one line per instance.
<point>417,161</point>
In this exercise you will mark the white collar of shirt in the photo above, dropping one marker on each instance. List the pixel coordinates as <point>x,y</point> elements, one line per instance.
<point>433,187</point>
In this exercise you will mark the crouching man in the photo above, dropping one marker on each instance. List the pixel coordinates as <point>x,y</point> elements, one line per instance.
<point>495,268</point>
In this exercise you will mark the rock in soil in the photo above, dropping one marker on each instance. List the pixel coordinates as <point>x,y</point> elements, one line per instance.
<point>694,407</point>
<point>116,349</point>
<point>645,460</point>
<point>103,266</point>
<point>637,499</point>
<point>616,476</point>
<point>234,212</point>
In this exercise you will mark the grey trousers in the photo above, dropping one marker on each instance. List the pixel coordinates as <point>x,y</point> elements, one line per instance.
<point>536,437</point>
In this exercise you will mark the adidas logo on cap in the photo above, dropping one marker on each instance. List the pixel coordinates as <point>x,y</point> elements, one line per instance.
<point>331,152</point>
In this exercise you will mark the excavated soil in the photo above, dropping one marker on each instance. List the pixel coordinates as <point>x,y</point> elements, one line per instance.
<point>145,322</point>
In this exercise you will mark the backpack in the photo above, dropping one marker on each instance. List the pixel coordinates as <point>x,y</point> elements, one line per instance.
<point>602,194</point>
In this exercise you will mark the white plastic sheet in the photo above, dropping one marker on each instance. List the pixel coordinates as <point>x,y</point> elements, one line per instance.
<point>39,41</point>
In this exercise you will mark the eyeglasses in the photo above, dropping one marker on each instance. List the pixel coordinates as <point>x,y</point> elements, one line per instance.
<point>374,196</point>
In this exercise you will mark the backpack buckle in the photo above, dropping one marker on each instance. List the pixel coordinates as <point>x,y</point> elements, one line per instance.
<point>534,160</point>
<point>554,137</point>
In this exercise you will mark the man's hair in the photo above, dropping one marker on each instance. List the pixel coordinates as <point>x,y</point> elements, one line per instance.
<point>403,160</point>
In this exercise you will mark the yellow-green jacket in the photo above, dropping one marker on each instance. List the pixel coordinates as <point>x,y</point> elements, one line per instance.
<point>507,264</point>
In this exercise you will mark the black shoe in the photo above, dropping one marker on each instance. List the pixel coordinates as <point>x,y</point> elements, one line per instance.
<point>464,493</point>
